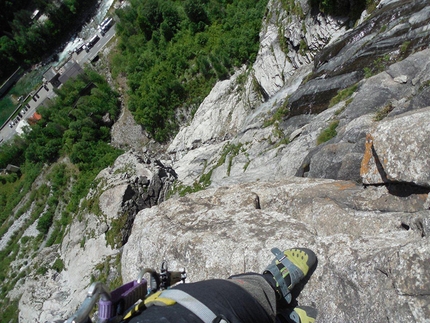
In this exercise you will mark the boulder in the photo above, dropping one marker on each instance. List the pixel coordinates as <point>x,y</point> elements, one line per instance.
<point>132,183</point>
<point>397,150</point>
<point>371,240</point>
<point>372,265</point>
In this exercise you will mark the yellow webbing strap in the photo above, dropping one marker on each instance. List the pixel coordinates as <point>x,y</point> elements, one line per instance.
<point>173,296</point>
<point>154,299</point>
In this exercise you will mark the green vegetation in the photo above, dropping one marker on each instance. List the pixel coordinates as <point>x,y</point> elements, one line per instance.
<point>28,82</point>
<point>279,114</point>
<point>172,53</point>
<point>112,264</point>
<point>283,42</point>
<point>25,39</point>
<point>6,109</point>
<point>404,48</point>
<point>114,236</point>
<point>203,182</point>
<point>377,66</point>
<point>227,155</point>
<point>58,265</point>
<point>343,95</point>
<point>24,86</point>
<point>328,133</point>
<point>72,127</point>
<point>383,112</point>
<point>183,190</point>
<point>293,7</point>
<point>12,193</point>
<point>230,151</point>
<point>303,47</point>
<point>281,139</point>
<point>59,179</point>
<point>352,10</point>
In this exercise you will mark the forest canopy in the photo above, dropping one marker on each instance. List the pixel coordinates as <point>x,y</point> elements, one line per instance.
<point>32,30</point>
<point>172,53</point>
<point>74,125</point>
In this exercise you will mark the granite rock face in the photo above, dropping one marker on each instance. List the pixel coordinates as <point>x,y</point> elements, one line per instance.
<point>372,262</point>
<point>359,197</point>
<point>398,151</point>
<point>235,104</point>
<point>92,245</point>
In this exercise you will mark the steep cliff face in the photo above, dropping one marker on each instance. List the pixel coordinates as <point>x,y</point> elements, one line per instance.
<point>325,148</point>
<point>235,111</point>
<point>364,74</point>
<point>91,249</point>
<point>322,143</point>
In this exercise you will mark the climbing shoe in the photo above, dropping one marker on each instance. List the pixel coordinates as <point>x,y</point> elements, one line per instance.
<point>289,268</point>
<point>299,314</point>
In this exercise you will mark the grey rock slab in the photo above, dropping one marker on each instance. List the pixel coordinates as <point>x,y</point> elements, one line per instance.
<point>398,150</point>
<point>369,265</point>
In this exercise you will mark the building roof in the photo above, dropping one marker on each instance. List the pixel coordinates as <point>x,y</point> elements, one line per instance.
<point>71,69</point>
<point>12,168</point>
<point>34,118</point>
<point>50,74</point>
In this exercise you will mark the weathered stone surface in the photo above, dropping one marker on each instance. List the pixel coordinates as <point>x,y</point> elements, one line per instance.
<point>398,150</point>
<point>270,77</point>
<point>337,161</point>
<point>126,133</point>
<point>366,257</point>
<point>222,104</point>
<point>372,241</point>
<point>397,23</point>
<point>132,183</point>
<point>315,95</point>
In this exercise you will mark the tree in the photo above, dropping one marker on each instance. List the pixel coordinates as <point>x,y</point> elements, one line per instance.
<point>12,152</point>
<point>195,11</point>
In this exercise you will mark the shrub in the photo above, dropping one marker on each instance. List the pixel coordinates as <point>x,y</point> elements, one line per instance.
<point>279,114</point>
<point>45,222</point>
<point>404,48</point>
<point>383,112</point>
<point>342,95</point>
<point>173,62</point>
<point>328,133</point>
<point>377,66</point>
<point>58,265</point>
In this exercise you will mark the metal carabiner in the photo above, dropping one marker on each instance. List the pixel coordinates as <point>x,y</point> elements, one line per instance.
<point>82,314</point>
<point>154,279</point>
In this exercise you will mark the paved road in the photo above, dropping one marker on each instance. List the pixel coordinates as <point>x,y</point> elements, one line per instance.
<point>85,57</point>
<point>47,90</point>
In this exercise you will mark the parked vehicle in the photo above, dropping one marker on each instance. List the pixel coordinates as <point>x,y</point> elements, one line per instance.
<point>79,49</point>
<point>105,25</point>
<point>92,42</point>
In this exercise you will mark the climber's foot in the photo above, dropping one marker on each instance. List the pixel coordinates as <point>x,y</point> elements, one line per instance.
<point>289,268</point>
